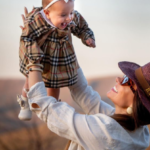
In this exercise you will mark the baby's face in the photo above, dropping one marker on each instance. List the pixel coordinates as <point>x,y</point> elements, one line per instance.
<point>61,13</point>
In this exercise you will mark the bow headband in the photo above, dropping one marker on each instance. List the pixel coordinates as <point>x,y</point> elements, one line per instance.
<point>54,1</point>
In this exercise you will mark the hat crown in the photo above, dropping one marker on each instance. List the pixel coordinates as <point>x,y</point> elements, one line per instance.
<point>146,72</point>
<point>135,73</point>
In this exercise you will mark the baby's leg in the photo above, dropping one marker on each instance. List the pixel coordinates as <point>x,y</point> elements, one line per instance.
<point>53,92</point>
<point>25,87</point>
<point>25,112</point>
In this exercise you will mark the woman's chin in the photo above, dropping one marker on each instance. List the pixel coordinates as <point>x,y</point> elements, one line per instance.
<point>108,94</point>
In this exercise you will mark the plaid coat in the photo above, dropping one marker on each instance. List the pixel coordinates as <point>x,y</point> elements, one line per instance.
<point>56,52</point>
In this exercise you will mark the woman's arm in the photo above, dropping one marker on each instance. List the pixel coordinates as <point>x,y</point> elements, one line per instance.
<point>88,99</point>
<point>63,120</point>
<point>59,116</point>
<point>92,132</point>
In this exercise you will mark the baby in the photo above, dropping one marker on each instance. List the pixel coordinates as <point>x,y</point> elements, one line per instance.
<point>46,44</point>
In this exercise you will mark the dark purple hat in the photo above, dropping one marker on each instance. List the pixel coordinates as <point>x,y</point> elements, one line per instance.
<point>140,75</point>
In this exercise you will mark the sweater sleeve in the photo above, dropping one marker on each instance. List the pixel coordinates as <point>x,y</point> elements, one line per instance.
<point>81,29</point>
<point>92,132</point>
<point>34,28</point>
<point>87,98</point>
<point>65,122</point>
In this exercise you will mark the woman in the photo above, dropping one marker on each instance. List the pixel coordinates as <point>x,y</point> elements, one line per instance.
<point>103,127</point>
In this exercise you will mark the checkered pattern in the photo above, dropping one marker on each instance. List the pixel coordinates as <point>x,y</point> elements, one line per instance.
<point>56,53</point>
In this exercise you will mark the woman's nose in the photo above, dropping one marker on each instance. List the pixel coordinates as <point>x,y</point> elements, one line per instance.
<point>118,80</point>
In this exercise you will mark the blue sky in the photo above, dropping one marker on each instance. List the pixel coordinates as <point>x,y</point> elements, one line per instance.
<point>121,27</point>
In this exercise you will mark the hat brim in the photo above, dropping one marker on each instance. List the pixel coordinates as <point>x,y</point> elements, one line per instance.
<point>128,68</point>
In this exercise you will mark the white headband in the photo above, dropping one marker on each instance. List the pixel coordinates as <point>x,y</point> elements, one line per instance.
<point>54,1</point>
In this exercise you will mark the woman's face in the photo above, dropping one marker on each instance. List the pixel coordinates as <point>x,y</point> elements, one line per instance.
<point>121,96</point>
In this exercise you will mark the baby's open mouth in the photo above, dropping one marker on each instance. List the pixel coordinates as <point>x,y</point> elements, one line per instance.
<point>64,24</point>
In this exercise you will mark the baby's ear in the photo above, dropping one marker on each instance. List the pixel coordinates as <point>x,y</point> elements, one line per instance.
<point>46,12</point>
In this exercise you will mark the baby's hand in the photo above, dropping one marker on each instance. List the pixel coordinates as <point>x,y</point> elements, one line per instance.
<point>90,42</point>
<point>23,17</point>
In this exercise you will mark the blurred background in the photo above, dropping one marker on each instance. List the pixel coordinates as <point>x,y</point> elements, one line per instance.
<point>122,32</point>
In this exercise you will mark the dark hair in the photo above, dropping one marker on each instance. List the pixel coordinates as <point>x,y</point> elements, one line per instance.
<point>139,117</point>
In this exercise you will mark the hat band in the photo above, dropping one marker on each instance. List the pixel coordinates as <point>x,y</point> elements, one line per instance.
<point>140,77</point>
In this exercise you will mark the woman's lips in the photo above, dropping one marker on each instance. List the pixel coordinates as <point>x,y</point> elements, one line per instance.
<point>114,89</point>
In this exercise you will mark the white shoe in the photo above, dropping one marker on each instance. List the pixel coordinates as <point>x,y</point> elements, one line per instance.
<point>25,112</point>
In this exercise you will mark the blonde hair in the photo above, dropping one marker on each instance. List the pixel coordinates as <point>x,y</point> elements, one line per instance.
<point>45,2</point>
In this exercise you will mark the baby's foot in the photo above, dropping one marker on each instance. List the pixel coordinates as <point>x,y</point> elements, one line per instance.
<point>25,112</point>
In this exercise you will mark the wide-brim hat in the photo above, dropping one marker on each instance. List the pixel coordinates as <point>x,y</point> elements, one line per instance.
<point>140,75</point>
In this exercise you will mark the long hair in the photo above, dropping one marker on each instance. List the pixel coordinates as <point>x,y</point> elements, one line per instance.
<point>139,117</point>
<point>68,144</point>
